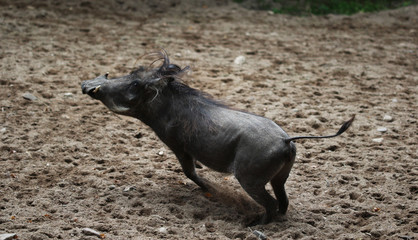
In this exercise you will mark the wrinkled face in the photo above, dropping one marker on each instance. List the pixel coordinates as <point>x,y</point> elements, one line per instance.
<point>121,95</point>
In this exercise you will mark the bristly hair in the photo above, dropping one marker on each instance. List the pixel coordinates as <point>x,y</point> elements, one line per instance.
<point>166,70</point>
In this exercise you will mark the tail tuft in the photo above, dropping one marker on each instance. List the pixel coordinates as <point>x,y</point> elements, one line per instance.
<point>346,125</point>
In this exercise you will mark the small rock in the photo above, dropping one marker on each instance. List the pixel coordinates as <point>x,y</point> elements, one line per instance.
<point>130,188</point>
<point>90,232</point>
<point>162,230</point>
<point>160,153</point>
<point>68,95</point>
<point>111,187</point>
<point>382,129</point>
<point>3,130</point>
<point>8,236</point>
<point>29,96</point>
<point>377,140</point>
<point>387,118</point>
<point>394,100</point>
<point>239,60</point>
<point>259,235</point>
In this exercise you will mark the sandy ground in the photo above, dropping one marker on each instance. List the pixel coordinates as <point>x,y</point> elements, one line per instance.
<point>67,163</point>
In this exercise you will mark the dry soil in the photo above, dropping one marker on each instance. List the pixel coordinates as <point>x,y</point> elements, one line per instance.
<point>68,163</point>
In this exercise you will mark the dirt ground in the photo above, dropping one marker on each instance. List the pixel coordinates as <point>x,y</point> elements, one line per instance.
<point>67,163</point>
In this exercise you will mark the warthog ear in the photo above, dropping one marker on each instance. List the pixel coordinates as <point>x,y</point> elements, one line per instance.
<point>169,70</point>
<point>166,73</point>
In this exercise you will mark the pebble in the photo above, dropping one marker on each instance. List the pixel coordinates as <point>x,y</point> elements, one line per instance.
<point>130,188</point>
<point>387,118</point>
<point>382,129</point>
<point>111,187</point>
<point>160,153</point>
<point>90,232</point>
<point>259,235</point>
<point>8,236</point>
<point>29,96</point>
<point>239,60</point>
<point>68,95</point>
<point>162,230</point>
<point>378,140</point>
<point>3,130</point>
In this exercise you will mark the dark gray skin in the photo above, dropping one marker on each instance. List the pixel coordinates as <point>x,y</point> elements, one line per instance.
<point>196,127</point>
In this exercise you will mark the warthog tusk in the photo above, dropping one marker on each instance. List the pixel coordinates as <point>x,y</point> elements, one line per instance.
<point>96,89</point>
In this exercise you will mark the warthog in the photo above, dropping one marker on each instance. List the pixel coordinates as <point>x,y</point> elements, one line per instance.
<point>196,127</point>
